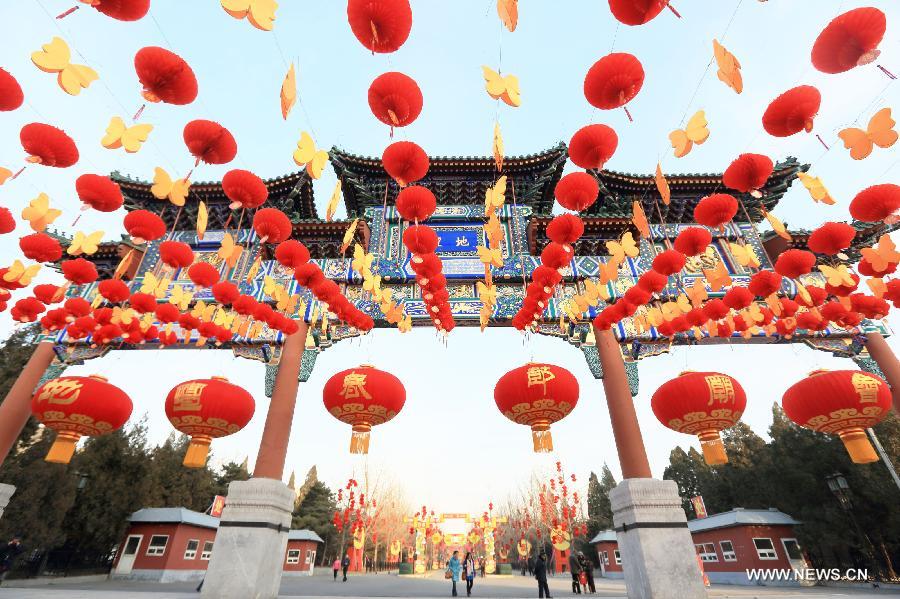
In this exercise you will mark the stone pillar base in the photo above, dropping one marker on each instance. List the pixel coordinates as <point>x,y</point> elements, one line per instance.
<point>657,552</point>
<point>6,493</point>
<point>248,554</point>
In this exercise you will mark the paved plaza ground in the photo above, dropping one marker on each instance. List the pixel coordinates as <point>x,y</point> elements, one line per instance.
<point>389,585</point>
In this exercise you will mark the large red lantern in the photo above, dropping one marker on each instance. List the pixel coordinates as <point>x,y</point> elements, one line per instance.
<point>99,192</point>
<point>47,145</point>
<point>207,409</point>
<point>363,397</point>
<point>850,40</point>
<point>702,404</point>
<point>380,25</point>
<point>244,189</point>
<point>537,395</point>
<point>748,173</point>
<point>406,162</point>
<point>593,145</point>
<point>876,203</point>
<point>166,77</point>
<point>636,12</point>
<point>11,96</point>
<point>76,406</point>
<point>123,10</point>
<point>843,402</point>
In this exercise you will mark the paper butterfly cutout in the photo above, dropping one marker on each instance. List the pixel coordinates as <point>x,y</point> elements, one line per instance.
<point>816,188</point>
<point>18,273</point>
<point>120,136</point>
<point>882,255</point>
<point>55,57</point>
<point>501,87</point>
<point>164,188</point>
<point>696,132</point>
<point>39,214</point>
<point>508,10</point>
<point>729,71</point>
<point>85,244</point>
<point>229,251</point>
<point>288,92</point>
<point>307,155</point>
<point>880,132</point>
<point>154,285</point>
<point>260,13</point>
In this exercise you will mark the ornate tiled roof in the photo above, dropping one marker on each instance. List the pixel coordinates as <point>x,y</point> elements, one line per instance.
<point>597,231</point>
<point>866,235</point>
<point>619,190</point>
<point>292,193</point>
<point>454,180</point>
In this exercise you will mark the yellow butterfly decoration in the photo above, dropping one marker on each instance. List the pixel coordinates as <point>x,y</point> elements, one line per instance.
<point>639,320</point>
<point>729,67</point>
<point>624,247</point>
<point>333,202</point>
<point>837,276</point>
<point>670,310</point>
<point>697,293</point>
<point>123,315</point>
<point>270,286</point>
<point>202,219</point>
<point>754,313</point>
<point>489,256</point>
<point>816,188</point>
<point>487,293</point>
<point>393,313</point>
<point>229,251</point>
<point>655,317</point>
<point>744,254</point>
<point>309,156</point>
<point>880,132</point>
<point>39,214</point>
<point>18,273</point>
<point>877,286</point>
<point>287,302</point>
<point>508,11</point>
<point>497,147</point>
<point>254,268</point>
<point>607,271</point>
<point>180,298</point>
<point>662,186</point>
<point>5,174</point>
<point>683,303</point>
<point>776,224</point>
<point>203,311</point>
<point>495,196</point>
<point>501,87</point>
<point>85,244</point>
<point>224,318</point>
<point>55,57</point>
<point>717,277</point>
<point>260,13</point>
<point>405,325</point>
<point>373,284</point>
<point>288,92</point>
<point>120,136</point>
<point>696,132</point>
<point>124,264</point>
<point>883,255</point>
<point>494,230</point>
<point>595,292</point>
<point>348,235</point>
<point>164,188</point>
<point>155,286</point>
<point>639,218</point>
<point>362,262</point>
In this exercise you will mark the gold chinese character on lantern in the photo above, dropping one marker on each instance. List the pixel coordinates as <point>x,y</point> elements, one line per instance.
<point>354,386</point>
<point>721,389</point>
<point>866,387</point>
<point>539,375</point>
<point>60,391</point>
<point>187,397</point>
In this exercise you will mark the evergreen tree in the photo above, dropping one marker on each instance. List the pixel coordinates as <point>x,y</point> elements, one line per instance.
<point>689,471</point>
<point>316,512</point>
<point>229,473</point>
<point>173,485</point>
<point>312,477</point>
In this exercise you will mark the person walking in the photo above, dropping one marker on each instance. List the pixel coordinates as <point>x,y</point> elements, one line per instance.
<point>453,570</point>
<point>469,572</point>
<point>483,566</point>
<point>575,569</point>
<point>336,566</point>
<point>540,573</point>
<point>587,567</point>
<point>9,554</point>
<point>345,563</point>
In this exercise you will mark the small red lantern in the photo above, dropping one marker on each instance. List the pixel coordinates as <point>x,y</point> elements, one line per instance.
<point>77,406</point>
<point>144,226</point>
<point>207,409</point>
<point>166,77</point>
<point>122,10</point>
<point>244,189</point>
<point>876,203</point>
<point>176,254</point>
<point>702,404</point>
<point>11,96</point>
<point>613,81</point>
<point>406,162</point>
<point>845,402</point>
<point>99,192</point>
<point>363,397</point>
<point>850,40</point>
<point>537,395</point>
<point>593,145</point>
<point>715,210</point>
<point>395,99</point>
<point>48,145</point>
<point>831,238</point>
<point>210,142</point>
<point>416,203</point>
<point>748,173</point>
<point>380,25</point>
<point>577,191</point>
<point>792,112</point>
<point>272,225</point>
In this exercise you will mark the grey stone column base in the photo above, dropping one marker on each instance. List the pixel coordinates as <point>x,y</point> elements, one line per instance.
<point>658,555</point>
<point>6,493</point>
<point>248,554</point>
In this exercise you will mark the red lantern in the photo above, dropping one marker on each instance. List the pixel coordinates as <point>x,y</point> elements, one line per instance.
<point>380,25</point>
<point>123,10</point>
<point>244,189</point>
<point>291,253</point>
<point>613,81</point>
<point>40,247</point>
<point>7,222</point>
<point>668,262</point>
<point>592,146</point>
<point>395,99</point>
<point>792,112</point>
<point>738,298</point>
<point>842,402</point>
<point>207,409</point>
<point>420,239</point>
<point>876,203</point>
<point>416,203</point>
<point>637,12</point>
<point>794,263</point>
<point>99,192</point>
<point>210,142</point>
<point>831,238</point>
<point>577,191</point>
<point>363,397</point>
<point>203,274</point>
<point>748,173</point>
<point>79,271</point>
<point>537,395</point>
<point>144,226</point>
<point>27,309</point>
<point>565,229</point>
<point>176,254</point>
<point>77,406</point>
<point>48,145</point>
<point>693,241</point>
<point>652,281</point>
<point>114,290</point>
<point>166,77</point>
<point>715,210</point>
<point>556,255</point>
<point>850,40</point>
<point>764,283</point>
<point>406,162</point>
<point>702,404</point>
<point>11,96</point>
<point>272,225</point>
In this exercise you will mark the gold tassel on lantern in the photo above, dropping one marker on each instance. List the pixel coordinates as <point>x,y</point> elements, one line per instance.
<point>198,449</point>
<point>359,440</point>
<point>713,449</point>
<point>858,446</point>
<point>63,447</point>
<point>540,436</point>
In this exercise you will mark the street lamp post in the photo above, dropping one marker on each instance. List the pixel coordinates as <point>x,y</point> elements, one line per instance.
<point>838,485</point>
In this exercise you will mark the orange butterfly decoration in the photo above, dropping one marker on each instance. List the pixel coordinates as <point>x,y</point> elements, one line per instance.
<point>717,277</point>
<point>508,10</point>
<point>662,186</point>
<point>729,67</point>
<point>882,255</point>
<point>640,219</point>
<point>697,293</point>
<point>880,132</point>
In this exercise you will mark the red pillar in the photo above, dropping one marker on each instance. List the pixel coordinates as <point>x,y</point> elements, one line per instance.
<point>627,432</point>
<point>16,407</point>
<point>277,431</point>
<point>887,361</point>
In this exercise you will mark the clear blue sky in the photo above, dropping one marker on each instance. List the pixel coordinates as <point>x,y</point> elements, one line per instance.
<point>450,418</point>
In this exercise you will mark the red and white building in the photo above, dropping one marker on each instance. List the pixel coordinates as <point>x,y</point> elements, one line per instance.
<point>728,544</point>
<point>170,544</point>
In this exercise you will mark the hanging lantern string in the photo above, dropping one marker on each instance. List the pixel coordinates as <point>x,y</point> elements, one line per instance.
<point>512,187</point>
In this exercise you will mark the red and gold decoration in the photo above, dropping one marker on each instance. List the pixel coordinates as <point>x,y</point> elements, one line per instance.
<point>363,397</point>
<point>702,404</point>
<point>537,395</point>
<point>841,402</point>
<point>207,409</point>
<point>76,406</point>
